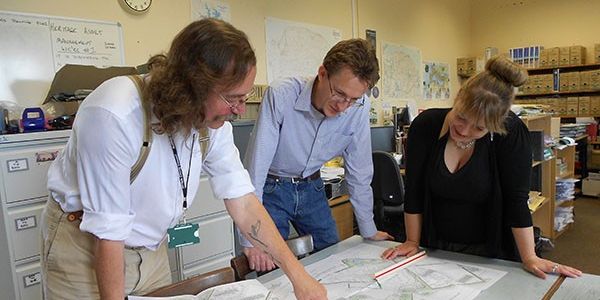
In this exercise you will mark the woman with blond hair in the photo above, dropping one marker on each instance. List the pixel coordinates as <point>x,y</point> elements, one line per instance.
<point>468,175</point>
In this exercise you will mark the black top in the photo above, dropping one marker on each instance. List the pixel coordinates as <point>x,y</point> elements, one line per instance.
<point>508,171</point>
<point>459,213</point>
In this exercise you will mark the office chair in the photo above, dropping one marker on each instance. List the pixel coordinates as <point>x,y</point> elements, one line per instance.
<point>196,284</point>
<point>300,246</point>
<point>388,193</point>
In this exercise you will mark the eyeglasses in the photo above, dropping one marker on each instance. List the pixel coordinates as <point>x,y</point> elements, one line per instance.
<point>335,96</point>
<point>235,102</point>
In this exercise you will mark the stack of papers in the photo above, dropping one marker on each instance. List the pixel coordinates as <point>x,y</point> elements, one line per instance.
<point>563,217</point>
<point>565,189</point>
<point>573,130</point>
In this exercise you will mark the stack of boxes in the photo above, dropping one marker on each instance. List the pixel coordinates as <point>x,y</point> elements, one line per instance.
<point>583,106</point>
<point>564,80</point>
<point>565,56</point>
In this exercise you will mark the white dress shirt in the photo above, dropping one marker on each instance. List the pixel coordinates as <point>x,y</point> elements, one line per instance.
<point>92,172</point>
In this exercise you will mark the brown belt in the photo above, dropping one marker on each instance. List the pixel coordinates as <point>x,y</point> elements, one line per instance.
<point>314,176</point>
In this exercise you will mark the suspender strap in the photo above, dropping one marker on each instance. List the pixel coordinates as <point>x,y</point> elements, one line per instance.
<point>204,141</point>
<point>204,138</point>
<point>147,139</point>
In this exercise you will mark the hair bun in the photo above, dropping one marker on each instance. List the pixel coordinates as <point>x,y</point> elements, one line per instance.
<point>506,70</point>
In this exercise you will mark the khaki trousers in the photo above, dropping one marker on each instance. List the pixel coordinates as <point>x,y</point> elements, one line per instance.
<point>68,261</point>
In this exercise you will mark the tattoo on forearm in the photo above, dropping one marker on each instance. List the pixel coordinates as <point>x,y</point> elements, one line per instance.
<point>254,230</point>
<point>253,234</point>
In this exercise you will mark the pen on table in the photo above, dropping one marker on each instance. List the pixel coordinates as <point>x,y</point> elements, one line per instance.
<point>378,284</point>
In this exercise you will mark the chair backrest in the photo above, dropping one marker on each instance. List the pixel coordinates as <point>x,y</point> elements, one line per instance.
<point>301,246</point>
<point>196,284</point>
<point>388,188</point>
<point>387,183</point>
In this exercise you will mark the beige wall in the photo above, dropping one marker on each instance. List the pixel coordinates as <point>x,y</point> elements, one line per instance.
<point>439,28</point>
<point>442,29</point>
<point>551,23</point>
<point>152,32</point>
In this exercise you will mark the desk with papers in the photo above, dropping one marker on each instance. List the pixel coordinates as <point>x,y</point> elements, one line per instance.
<point>441,275</point>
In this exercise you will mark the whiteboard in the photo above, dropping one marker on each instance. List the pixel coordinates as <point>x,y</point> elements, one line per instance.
<point>34,47</point>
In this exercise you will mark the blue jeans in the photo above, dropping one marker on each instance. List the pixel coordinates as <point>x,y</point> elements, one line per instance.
<point>304,205</point>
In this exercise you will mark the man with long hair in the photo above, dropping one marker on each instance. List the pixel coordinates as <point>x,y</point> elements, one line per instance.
<point>104,236</point>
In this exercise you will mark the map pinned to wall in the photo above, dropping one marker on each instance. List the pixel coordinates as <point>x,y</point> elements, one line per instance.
<point>210,9</point>
<point>296,49</point>
<point>436,81</point>
<point>401,72</point>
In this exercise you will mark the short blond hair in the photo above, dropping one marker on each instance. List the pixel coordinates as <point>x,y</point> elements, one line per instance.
<point>488,95</point>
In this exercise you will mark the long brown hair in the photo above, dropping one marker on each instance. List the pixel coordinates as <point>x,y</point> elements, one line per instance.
<point>489,94</point>
<point>206,54</point>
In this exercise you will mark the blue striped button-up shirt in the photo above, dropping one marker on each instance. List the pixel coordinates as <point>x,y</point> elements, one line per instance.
<point>292,139</point>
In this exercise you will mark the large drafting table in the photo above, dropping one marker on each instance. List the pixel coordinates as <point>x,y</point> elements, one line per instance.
<point>513,282</point>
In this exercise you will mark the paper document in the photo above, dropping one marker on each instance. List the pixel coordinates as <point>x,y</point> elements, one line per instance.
<point>329,173</point>
<point>246,289</point>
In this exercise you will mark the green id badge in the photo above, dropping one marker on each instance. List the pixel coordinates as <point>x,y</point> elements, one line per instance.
<point>183,235</point>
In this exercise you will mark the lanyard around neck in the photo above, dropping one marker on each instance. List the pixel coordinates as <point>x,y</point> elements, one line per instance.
<point>182,182</point>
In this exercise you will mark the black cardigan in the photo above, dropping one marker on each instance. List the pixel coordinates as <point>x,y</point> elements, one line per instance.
<point>510,161</point>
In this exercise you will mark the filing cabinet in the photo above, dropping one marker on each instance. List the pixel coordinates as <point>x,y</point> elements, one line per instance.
<point>24,162</point>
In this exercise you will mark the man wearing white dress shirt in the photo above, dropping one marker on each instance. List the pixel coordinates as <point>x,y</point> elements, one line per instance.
<point>304,122</point>
<point>104,237</point>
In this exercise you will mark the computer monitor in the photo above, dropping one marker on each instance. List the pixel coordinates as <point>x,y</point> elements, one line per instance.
<point>382,138</point>
<point>402,118</point>
<point>241,135</point>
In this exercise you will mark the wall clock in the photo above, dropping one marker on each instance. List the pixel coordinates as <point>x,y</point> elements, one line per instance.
<point>136,6</point>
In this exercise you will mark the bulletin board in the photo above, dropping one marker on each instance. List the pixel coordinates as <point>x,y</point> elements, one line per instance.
<point>33,47</point>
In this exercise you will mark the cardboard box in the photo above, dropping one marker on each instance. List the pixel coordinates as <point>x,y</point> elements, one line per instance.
<point>584,106</point>
<point>595,79</point>
<point>562,106</point>
<point>577,55</point>
<point>538,84</point>
<point>466,66</point>
<point>548,83</point>
<point>585,80</point>
<point>527,87</point>
<point>564,58</point>
<point>572,106</point>
<point>591,187</point>
<point>564,82</point>
<point>574,80</point>
<point>554,105</point>
<point>553,57</point>
<point>75,77</point>
<point>595,105</point>
<point>543,58</point>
